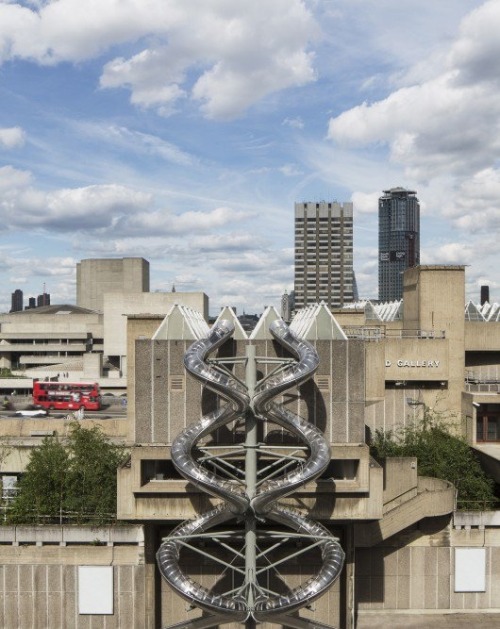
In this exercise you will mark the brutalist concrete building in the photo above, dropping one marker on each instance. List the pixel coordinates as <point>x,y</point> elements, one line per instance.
<point>405,547</point>
<point>372,511</point>
<point>323,253</point>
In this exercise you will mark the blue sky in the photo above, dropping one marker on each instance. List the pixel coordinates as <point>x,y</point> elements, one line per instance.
<point>183,131</point>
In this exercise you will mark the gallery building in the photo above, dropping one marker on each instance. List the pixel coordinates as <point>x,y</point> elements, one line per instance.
<point>406,547</point>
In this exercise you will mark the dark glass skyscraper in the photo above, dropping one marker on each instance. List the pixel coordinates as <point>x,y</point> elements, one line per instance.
<point>17,300</point>
<point>398,240</point>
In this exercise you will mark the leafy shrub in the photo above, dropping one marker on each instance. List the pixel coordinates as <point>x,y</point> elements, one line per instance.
<point>440,454</point>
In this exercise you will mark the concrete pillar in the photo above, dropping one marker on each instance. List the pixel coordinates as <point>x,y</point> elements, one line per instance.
<point>349,568</point>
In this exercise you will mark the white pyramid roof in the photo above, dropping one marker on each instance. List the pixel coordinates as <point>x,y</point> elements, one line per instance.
<point>473,312</point>
<point>182,324</point>
<point>228,314</point>
<point>316,322</point>
<point>261,330</point>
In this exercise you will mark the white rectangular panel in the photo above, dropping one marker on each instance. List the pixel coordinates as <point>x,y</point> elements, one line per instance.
<point>470,569</point>
<point>95,589</point>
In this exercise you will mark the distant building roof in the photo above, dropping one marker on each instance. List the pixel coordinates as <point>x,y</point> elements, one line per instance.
<point>482,312</point>
<point>63,309</point>
<point>384,311</point>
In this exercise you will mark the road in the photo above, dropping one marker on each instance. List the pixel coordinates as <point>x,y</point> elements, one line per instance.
<point>116,413</point>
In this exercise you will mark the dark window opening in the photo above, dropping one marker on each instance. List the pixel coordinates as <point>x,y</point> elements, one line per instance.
<point>158,469</point>
<point>341,469</point>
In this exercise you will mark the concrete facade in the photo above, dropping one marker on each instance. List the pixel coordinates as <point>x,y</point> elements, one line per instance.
<point>119,304</point>
<point>415,570</point>
<point>75,343</point>
<point>400,532</point>
<point>365,504</point>
<point>323,254</point>
<point>430,357</point>
<point>149,488</point>
<point>39,570</point>
<point>433,358</point>
<point>50,335</point>
<point>95,277</point>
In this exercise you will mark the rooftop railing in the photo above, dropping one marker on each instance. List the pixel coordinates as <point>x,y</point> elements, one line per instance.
<point>376,333</point>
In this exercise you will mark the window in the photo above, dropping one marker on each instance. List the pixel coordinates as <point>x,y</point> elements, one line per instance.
<point>341,469</point>
<point>398,217</point>
<point>487,426</point>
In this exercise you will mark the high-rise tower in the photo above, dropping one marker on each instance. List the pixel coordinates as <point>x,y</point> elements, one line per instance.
<point>17,300</point>
<point>398,240</point>
<point>323,253</point>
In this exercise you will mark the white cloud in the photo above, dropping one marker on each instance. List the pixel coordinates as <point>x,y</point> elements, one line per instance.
<point>476,51</point>
<point>11,179</point>
<point>12,137</point>
<point>445,128</point>
<point>83,210</point>
<point>477,208</point>
<point>448,253</point>
<point>446,114</point>
<point>163,222</point>
<point>224,55</point>
<point>135,142</point>
<point>235,242</point>
<point>366,203</point>
<point>111,211</point>
<point>437,127</point>
<point>51,266</point>
<point>68,30</point>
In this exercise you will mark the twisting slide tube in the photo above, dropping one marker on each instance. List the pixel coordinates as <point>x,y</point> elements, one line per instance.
<point>238,401</point>
<point>252,502</point>
<point>236,501</point>
<point>265,502</point>
<point>267,390</point>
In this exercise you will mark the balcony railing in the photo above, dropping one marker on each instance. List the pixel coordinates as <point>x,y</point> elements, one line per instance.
<point>375,333</point>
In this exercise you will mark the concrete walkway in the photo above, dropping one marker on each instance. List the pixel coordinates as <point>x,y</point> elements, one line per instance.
<point>428,621</point>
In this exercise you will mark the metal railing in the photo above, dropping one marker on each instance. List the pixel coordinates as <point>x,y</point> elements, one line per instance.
<point>375,333</point>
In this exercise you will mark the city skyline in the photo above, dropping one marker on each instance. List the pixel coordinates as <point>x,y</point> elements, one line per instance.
<point>186,135</point>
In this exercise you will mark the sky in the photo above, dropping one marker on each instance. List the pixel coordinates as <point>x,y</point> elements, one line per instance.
<point>183,131</point>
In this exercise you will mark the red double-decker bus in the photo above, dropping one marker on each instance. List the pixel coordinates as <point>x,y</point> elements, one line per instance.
<point>66,396</point>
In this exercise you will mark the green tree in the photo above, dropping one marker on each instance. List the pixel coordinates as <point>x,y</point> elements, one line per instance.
<point>92,474</point>
<point>42,490</point>
<point>440,454</point>
<point>73,481</point>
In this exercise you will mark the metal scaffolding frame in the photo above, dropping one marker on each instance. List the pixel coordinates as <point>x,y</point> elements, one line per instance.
<point>250,536</point>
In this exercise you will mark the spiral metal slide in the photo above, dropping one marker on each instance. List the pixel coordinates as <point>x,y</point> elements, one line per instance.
<point>250,502</point>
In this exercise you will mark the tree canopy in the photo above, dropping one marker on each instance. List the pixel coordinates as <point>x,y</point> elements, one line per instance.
<point>440,454</point>
<point>70,481</point>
